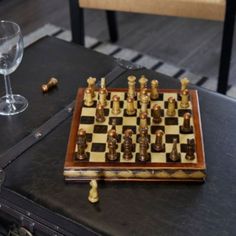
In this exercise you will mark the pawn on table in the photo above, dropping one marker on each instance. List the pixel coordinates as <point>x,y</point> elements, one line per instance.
<point>154,90</point>
<point>128,144</point>
<point>81,145</point>
<point>186,128</point>
<point>158,145</point>
<point>116,105</point>
<point>143,145</point>
<point>88,97</point>
<point>93,192</point>
<point>130,109</point>
<point>156,114</point>
<point>100,116</point>
<point>184,99</point>
<point>171,107</point>
<point>131,84</point>
<point>174,154</point>
<point>91,84</point>
<point>112,145</point>
<point>190,150</point>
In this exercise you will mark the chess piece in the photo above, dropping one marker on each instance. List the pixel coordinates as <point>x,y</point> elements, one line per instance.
<point>93,192</point>
<point>144,103</point>
<point>190,150</point>
<point>128,145</point>
<point>186,128</point>
<point>143,93</point>
<point>184,83</point>
<point>81,145</point>
<point>103,96</point>
<point>158,145</point>
<point>174,154</point>
<point>88,97</point>
<point>184,99</point>
<point>130,109</point>
<point>112,145</point>
<point>171,107</point>
<point>154,90</point>
<point>52,83</point>
<point>113,124</point>
<point>156,113</point>
<point>131,84</point>
<point>100,116</point>
<point>91,84</point>
<point>116,105</point>
<point>143,145</point>
<point>103,83</point>
<point>143,83</point>
<point>143,123</point>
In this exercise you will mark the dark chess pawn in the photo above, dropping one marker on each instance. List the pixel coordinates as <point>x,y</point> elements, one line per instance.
<point>100,116</point>
<point>81,145</point>
<point>128,145</point>
<point>113,124</point>
<point>112,145</point>
<point>186,128</point>
<point>174,154</point>
<point>158,145</point>
<point>156,113</point>
<point>143,145</point>
<point>190,150</point>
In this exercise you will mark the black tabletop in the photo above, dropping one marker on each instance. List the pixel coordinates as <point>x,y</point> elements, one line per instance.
<point>124,208</point>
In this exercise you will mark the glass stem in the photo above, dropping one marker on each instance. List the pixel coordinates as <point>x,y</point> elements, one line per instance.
<point>9,97</point>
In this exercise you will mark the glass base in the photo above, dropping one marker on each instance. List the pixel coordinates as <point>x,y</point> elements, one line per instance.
<point>19,104</point>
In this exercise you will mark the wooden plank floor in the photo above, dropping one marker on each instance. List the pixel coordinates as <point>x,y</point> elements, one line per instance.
<point>187,43</point>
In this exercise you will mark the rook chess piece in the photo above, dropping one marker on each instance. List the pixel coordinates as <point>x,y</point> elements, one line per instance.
<point>116,105</point>
<point>186,128</point>
<point>156,113</point>
<point>112,145</point>
<point>154,90</point>
<point>158,145</point>
<point>100,116</point>
<point>174,154</point>
<point>131,84</point>
<point>184,83</point>
<point>93,192</point>
<point>143,145</point>
<point>128,145</point>
<point>184,99</point>
<point>130,109</point>
<point>91,84</point>
<point>171,107</point>
<point>190,150</point>
<point>81,145</point>
<point>88,97</point>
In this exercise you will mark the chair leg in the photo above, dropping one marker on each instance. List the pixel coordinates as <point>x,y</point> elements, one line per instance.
<point>77,22</point>
<point>226,48</point>
<point>112,25</point>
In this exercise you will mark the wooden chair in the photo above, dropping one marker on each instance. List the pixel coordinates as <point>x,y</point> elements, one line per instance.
<point>222,10</point>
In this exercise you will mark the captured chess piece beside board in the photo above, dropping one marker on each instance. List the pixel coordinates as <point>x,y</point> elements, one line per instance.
<point>135,134</point>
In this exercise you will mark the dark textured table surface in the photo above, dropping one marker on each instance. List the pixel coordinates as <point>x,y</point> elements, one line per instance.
<point>124,208</point>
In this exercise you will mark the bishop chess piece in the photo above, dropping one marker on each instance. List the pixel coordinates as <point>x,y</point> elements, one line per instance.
<point>190,150</point>
<point>91,84</point>
<point>88,97</point>
<point>184,99</point>
<point>93,192</point>
<point>131,84</point>
<point>184,83</point>
<point>186,128</point>
<point>130,109</point>
<point>143,146</point>
<point>116,105</point>
<point>158,145</point>
<point>156,114</point>
<point>100,116</point>
<point>171,107</point>
<point>154,90</point>
<point>174,154</point>
<point>112,145</point>
<point>128,144</point>
<point>81,145</point>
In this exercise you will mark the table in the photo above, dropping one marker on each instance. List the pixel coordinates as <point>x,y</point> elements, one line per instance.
<point>124,208</point>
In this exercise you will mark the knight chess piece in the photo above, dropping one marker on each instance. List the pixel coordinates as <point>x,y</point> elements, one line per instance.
<point>184,99</point>
<point>112,145</point>
<point>143,122</point>
<point>186,128</point>
<point>143,145</point>
<point>100,116</point>
<point>156,114</point>
<point>88,97</point>
<point>130,109</point>
<point>184,83</point>
<point>154,90</point>
<point>81,145</point>
<point>158,145</point>
<point>91,84</point>
<point>128,144</point>
<point>171,107</point>
<point>174,154</point>
<point>103,96</point>
<point>131,84</point>
<point>116,105</point>
<point>93,192</point>
<point>190,150</point>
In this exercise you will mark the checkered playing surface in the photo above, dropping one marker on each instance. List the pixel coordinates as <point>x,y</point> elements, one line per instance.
<point>97,132</point>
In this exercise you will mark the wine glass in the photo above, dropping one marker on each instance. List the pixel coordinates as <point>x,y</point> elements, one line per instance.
<point>11,53</point>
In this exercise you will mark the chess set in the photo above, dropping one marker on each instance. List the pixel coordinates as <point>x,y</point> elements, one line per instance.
<point>135,134</point>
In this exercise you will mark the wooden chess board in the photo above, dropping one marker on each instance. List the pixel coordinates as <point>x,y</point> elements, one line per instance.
<point>160,167</point>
